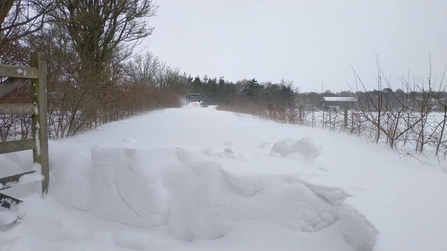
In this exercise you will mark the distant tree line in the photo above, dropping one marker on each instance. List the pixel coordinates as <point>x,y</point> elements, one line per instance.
<point>95,76</point>
<point>221,92</point>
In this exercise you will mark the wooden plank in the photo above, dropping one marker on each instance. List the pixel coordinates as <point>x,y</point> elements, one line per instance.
<point>10,85</point>
<point>11,181</point>
<point>17,109</point>
<point>18,145</point>
<point>7,201</point>
<point>40,132</point>
<point>18,71</point>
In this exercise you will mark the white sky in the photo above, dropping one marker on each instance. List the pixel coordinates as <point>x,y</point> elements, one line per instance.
<point>309,42</point>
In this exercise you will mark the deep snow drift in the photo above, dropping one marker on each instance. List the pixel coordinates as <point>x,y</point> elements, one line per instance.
<point>202,179</point>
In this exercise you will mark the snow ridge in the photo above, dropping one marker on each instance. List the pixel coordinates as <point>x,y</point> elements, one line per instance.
<point>358,231</point>
<point>199,199</point>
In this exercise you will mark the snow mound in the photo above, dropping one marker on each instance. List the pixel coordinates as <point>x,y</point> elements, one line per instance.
<point>335,196</point>
<point>131,185</point>
<point>197,199</point>
<point>304,147</point>
<point>214,201</point>
<point>227,153</point>
<point>193,105</point>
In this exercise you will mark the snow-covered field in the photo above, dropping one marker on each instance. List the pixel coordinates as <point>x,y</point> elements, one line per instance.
<point>200,179</point>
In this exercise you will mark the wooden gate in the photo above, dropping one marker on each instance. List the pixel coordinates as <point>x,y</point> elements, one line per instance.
<point>16,76</point>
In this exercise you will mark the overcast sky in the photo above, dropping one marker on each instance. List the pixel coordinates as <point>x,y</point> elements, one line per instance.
<point>312,43</point>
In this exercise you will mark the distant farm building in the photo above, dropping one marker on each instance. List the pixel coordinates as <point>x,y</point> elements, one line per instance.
<point>340,102</point>
<point>344,103</point>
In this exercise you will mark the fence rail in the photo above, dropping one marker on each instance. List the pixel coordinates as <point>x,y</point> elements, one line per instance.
<point>17,109</point>
<point>19,71</point>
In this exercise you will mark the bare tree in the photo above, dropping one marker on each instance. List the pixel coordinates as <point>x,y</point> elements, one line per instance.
<point>143,69</point>
<point>100,27</point>
<point>438,98</point>
<point>18,19</point>
<point>100,34</point>
<point>390,115</point>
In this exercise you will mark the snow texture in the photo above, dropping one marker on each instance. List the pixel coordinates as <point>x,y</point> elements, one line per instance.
<point>359,232</point>
<point>305,147</point>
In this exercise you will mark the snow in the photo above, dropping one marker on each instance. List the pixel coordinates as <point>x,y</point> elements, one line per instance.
<point>37,138</point>
<point>197,178</point>
<point>304,147</point>
<point>7,216</point>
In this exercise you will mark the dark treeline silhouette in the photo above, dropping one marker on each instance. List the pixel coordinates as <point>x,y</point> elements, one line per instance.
<point>221,92</point>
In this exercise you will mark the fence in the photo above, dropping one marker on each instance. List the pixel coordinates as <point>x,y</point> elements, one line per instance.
<point>16,76</point>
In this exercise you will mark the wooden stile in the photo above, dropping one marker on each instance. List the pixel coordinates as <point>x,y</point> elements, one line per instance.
<point>17,75</point>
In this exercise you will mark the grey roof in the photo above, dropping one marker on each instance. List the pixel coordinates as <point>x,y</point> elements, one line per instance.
<point>340,99</point>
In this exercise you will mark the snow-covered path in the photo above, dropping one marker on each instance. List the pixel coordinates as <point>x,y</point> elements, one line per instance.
<point>201,179</point>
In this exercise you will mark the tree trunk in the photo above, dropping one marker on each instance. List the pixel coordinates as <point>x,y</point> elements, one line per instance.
<point>5,7</point>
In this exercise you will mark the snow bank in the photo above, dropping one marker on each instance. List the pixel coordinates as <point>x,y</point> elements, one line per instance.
<point>196,198</point>
<point>304,147</point>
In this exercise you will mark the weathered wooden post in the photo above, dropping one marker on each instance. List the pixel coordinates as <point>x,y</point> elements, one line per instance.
<point>345,118</point>
<point>39,118</point>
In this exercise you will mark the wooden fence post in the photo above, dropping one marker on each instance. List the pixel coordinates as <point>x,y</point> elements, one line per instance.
<point>345,118</point>
<point>39,122</point>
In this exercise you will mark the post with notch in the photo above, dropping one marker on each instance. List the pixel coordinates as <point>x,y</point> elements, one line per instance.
<point>39,120</point>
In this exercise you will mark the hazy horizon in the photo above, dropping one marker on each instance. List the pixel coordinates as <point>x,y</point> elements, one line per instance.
<point>315,44</point>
